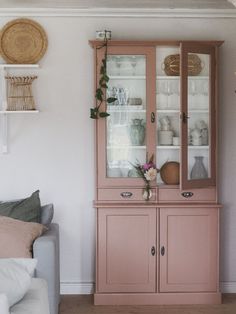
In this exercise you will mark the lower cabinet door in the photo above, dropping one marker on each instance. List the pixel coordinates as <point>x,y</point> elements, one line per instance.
<point>126,250</point>
<point>188,249</point>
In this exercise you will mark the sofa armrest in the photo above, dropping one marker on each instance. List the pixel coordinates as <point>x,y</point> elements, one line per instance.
<point>46,251</point>
<point>47,212</point>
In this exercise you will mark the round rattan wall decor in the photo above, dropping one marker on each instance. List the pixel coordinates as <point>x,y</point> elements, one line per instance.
<point>23,41</point>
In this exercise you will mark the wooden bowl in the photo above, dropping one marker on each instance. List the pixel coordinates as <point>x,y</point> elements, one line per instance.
<point>170,172</point>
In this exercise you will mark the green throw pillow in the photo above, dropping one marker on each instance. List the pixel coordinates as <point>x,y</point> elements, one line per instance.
<point>27,209</point>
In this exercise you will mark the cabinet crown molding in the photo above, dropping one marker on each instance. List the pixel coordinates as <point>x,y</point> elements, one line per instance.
<point>118,12</point>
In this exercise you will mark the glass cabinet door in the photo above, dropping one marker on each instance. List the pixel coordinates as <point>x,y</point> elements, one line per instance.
<point>127,135</point>
<point>167,108</point>
<point>198,116</point>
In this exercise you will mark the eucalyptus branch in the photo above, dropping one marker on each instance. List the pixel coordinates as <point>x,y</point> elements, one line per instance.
<point>100,96</point>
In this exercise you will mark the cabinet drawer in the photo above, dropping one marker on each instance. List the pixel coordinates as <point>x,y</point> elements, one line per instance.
<point>195,195</point>
<point>124,195</point>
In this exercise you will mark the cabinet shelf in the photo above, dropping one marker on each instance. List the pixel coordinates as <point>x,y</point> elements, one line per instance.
<point>198,147</point>
<point>129,109</point>
<point>178,111</point>
<point>143,77</point>
<point>167,147</point>
<point>127,77</point>
<point>164,77</point>
<point>126,109</point>
<point>199,111</point>
<point>126,146</point>
<point>168,111</point>
<point>177,147</point>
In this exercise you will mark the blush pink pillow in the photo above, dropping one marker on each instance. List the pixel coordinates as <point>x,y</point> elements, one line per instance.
<point>17,237</point>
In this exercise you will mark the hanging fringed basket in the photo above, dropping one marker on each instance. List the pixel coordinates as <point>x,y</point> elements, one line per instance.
<point>19,93</point>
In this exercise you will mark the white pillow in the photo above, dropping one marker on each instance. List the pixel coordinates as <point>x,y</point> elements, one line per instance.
<point>4,306</point>
<point>29,264</point>
<point>15,278</point>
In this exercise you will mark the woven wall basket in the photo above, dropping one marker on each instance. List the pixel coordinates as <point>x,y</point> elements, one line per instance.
<point>23,41</point>
<point>172,65</point>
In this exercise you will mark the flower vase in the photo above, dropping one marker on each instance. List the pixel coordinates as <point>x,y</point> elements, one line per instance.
<point>147,193</point>
<point>198,171</point>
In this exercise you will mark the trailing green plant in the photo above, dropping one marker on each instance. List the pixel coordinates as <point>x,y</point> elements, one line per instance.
<point>100,94</point>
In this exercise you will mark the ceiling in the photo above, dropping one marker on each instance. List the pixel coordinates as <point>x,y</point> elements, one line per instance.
<point>120,4</point>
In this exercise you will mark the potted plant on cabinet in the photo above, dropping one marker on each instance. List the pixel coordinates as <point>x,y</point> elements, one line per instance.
<point>100,94</point>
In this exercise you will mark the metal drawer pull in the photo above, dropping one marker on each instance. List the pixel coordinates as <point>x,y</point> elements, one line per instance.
<point>126,194</point>
<point>187,194</point>
<point>162,251</point>
<point>153,251</point>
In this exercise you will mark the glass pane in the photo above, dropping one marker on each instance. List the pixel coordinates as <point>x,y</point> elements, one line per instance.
<point>126,125</point>
<point>168,108</point>
<point>199,119</point>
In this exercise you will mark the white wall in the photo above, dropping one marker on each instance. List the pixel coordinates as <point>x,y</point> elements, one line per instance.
<point>54,151</point>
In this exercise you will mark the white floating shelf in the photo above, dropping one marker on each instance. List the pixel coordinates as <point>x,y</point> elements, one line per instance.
<point>18,111</point>
<point>4,114</point>
<point>6,65</point>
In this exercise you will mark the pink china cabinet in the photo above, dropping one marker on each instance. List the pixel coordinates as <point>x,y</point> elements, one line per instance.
<point>164,250</point>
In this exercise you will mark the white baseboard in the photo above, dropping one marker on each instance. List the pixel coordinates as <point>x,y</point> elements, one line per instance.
<point>88,287</point>
<point>228,286</point>
<point>77,287</point>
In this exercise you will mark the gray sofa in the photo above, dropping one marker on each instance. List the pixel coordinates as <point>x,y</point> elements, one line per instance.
<point>46,250</point>
<point>35,300</point>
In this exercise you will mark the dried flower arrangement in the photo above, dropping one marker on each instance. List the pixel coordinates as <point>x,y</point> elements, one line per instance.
<point>148,172</point>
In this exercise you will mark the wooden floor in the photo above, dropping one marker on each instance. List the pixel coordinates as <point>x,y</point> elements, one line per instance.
<point>83,304</point>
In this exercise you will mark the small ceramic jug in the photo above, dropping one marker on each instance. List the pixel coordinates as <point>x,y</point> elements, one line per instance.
<point>196,137</point>
<point>137,132</point>
<point>204,131</point>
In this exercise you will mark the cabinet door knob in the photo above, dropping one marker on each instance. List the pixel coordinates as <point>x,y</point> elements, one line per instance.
<point>184,117</point>
<point>162,251</point>
<point>153,250</point>
<point>153,118</point>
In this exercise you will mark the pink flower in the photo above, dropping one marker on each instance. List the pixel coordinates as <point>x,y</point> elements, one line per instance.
<point>149,165</point>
